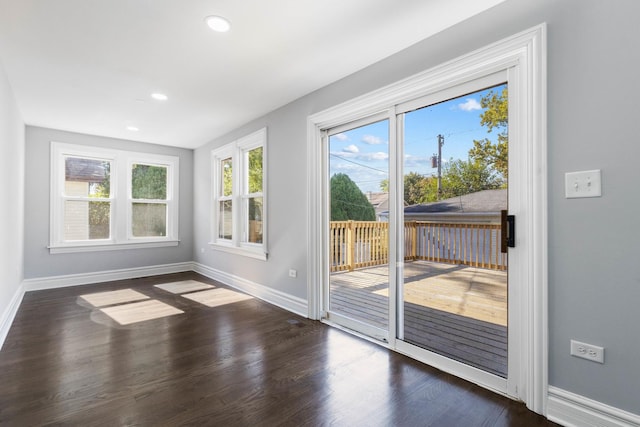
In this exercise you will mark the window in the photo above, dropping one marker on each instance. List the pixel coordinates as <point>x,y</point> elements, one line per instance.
<point>148,200</point>
<point>239,196</point>
<point>109,199</point>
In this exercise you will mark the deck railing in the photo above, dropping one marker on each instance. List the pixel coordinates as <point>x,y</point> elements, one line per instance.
<point>357,244</point>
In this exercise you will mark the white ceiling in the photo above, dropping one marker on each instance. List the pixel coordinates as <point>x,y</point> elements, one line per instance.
<point>90,66</point>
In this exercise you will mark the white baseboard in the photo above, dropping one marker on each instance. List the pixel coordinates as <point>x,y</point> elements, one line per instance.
<point>103,276</point>
<point>296,305</point>
<point>573,410</point>
<point>10,313</point>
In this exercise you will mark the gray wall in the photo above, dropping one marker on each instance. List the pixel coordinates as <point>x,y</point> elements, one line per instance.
<point>38,262</point>
<point>594,274</point>
<point>11,195</point>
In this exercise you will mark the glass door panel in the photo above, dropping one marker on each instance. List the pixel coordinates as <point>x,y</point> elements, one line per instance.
<point>358,231</point>
<point>453,290</point>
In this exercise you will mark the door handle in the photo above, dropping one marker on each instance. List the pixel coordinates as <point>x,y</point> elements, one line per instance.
<point>508,231</point>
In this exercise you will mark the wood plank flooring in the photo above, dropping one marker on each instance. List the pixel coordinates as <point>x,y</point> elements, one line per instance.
<point>245,363</point>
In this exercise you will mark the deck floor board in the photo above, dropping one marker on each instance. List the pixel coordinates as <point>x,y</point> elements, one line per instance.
<point>456,311</point>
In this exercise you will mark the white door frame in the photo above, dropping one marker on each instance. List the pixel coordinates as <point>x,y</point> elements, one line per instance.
<point>524,57</point>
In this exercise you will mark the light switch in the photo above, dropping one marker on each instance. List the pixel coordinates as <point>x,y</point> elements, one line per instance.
<point>583,184</point>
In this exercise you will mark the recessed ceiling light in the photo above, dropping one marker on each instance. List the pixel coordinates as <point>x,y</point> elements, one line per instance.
<point>218,23</point>
<point>159,96</point>
<point>132,128</point>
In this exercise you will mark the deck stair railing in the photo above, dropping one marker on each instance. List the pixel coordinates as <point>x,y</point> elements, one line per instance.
<point>358,244</point>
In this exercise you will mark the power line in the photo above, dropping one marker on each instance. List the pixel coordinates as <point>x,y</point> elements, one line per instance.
<point>359,164</point>
<point>435,137</point>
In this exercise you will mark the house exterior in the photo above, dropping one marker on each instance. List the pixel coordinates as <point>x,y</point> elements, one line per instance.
<point>80,176</point>
<point>379,201</point>
<point>479,207</point>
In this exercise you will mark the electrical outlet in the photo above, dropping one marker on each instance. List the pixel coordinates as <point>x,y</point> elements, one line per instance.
<point>587,351</point>
<point>293,273</point>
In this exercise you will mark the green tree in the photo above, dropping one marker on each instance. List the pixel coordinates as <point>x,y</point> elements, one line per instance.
<point>460,177</point>
<point>384,185</point>
<point>255,159</point>
<point>348,202</point>
<point>149,182</point>
<point>495,116</point>
<point>255,170</point>
<point>100,212</point>
<point>417,188</point>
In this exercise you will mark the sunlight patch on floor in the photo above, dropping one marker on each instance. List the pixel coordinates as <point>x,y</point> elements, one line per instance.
<point>184,286</point>
<point>217,297</point>
<point>102,299</point>
<point>140,311</point>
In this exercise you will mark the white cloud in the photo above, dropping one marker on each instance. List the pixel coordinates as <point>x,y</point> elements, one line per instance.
<point>417,161</point>
<point>357,158</point>
<point>371,140</point>
<point>341,137</point>
<point>351,149</point>
<point>470,104</point>
<point>375,156</point>
<point>348,167</point>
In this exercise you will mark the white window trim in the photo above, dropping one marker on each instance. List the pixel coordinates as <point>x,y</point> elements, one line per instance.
<point>235,150</point>
<point>121,234</point>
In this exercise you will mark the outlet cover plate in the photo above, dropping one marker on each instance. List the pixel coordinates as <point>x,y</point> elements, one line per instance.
<point>587,351</point>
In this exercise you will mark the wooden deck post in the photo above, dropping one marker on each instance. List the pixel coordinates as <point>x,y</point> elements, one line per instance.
<point>351,245</point>
<point>414,240</point>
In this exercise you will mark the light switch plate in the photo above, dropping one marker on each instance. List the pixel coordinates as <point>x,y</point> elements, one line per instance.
<point>583,184</point>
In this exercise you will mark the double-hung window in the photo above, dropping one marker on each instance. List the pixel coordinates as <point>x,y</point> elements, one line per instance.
<point>105,199</point>
<point>239,208</point>
<point>149,203</point>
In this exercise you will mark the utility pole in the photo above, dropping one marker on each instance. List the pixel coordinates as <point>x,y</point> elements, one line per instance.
<point>439,161</point>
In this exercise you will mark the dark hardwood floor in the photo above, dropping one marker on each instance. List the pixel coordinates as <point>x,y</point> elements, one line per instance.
<point>246,363</point>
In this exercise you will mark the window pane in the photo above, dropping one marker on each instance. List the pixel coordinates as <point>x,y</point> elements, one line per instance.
<point>227,177</point>
<point>149,219</point>
<point>255,170</point>
<point>225,225</point>
<point>149,182</point>
<point>255,220</point>
<point>84,220</point>
<point>86,177</point>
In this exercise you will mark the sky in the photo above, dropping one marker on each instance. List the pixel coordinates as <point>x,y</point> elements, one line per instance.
<point>363,153</point>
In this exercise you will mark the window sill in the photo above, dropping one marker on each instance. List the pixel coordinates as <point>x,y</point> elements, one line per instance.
<point>257,253</point>
<point>97,247</point>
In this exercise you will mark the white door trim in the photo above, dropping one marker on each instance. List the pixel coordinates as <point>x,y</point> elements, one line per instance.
<point>524,55</point>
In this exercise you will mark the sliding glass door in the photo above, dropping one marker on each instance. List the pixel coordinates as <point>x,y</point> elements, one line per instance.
<point>446,292</point>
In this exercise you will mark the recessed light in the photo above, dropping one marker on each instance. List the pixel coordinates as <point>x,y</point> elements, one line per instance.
<point>218,23</point>
<point>159,96</point>
<point>132,128</point>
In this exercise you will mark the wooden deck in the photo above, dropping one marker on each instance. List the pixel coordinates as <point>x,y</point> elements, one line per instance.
<point>457,311</point>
